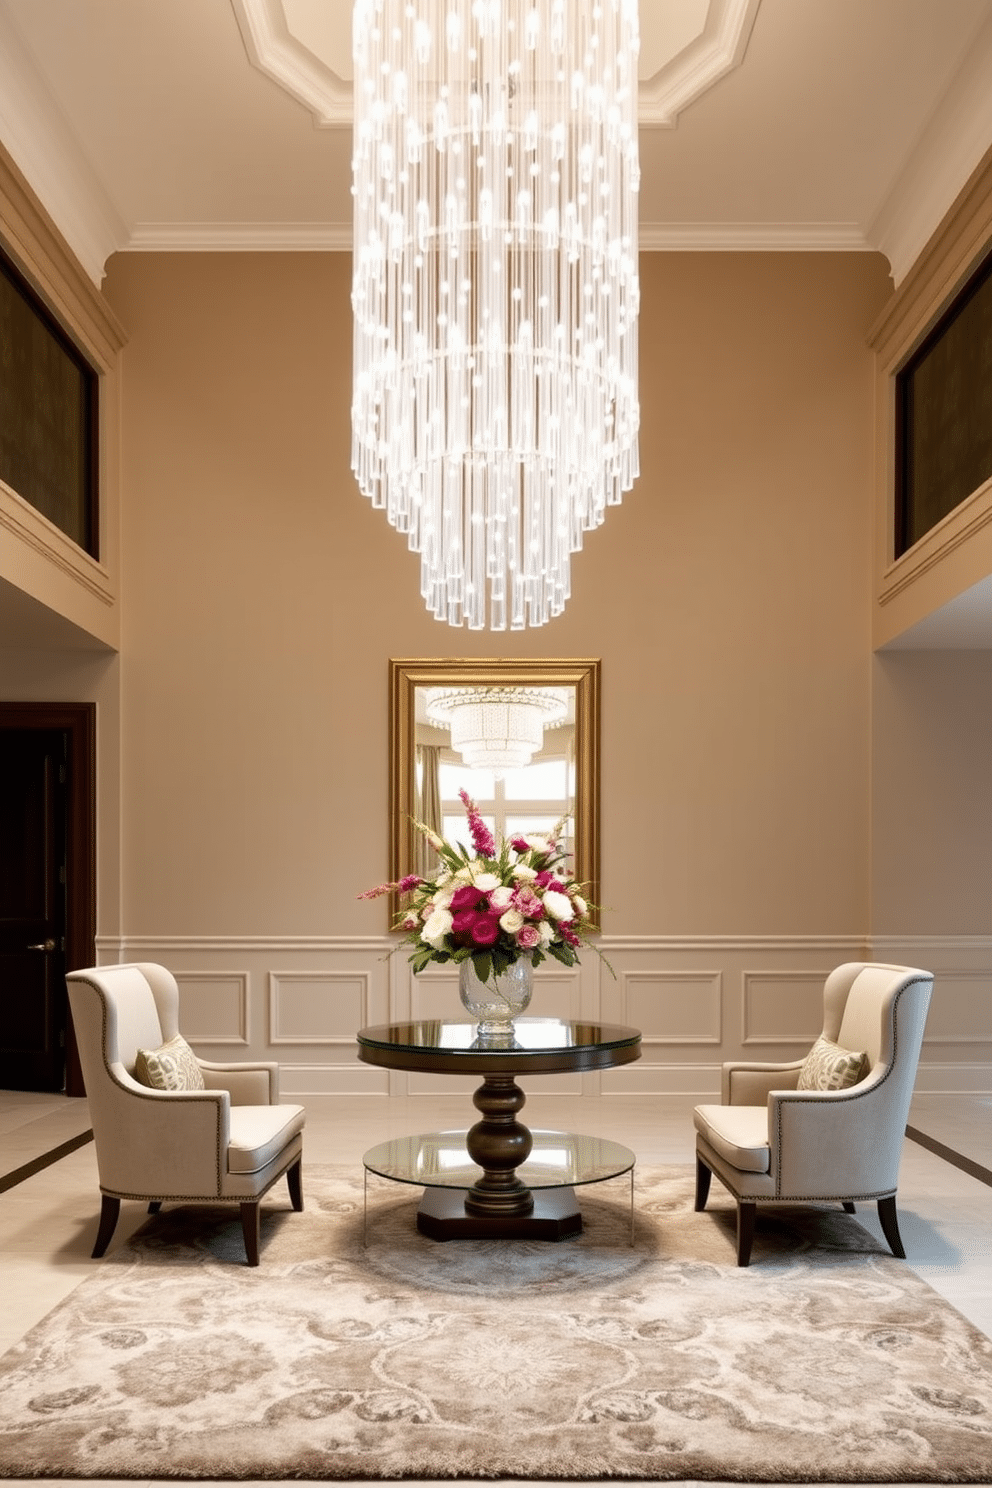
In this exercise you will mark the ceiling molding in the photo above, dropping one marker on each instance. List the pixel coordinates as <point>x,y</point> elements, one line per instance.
<point>274,50</point>
<point>655,237</point>
<point>941,162</point>
<point>717,50</point>
<point>752,237</point>
<point>280,55</point>
<point>46,151</point>
<point>241,237</point>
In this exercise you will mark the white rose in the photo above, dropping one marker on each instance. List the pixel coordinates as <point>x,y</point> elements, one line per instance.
<point>437,928</point>
<point>538,844</point>
<point>487,882</point>
<point>546,933</point>
<point>511,921</point>
<point>581,907</point>
<point>501,898</point>
<point>558,906</point>
<point>524,874</point>
<point>442,900</point>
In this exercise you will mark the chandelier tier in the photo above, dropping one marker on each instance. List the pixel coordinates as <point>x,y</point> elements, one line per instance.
<point>497,728</point>
<point>495,289</point>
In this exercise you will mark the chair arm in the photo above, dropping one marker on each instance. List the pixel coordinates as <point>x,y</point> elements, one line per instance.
<point>247,1084</point>
<point>154,1143</point>
<point>835,1143</point>
<point>751,1084</point>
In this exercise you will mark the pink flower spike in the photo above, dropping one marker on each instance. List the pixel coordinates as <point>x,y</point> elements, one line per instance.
<point>378,891</point>
<point>410,882</point>
<point>482,839</point>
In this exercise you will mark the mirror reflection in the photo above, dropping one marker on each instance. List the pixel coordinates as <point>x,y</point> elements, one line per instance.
<point>512,749</point>
<point>521,738</point>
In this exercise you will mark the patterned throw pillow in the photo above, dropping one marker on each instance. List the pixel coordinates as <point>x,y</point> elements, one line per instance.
<point>171,1067</point>
<point>829,1067</point>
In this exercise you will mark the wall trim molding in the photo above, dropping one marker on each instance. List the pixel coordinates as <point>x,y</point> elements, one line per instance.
<point>856,946</point>
<point>684,1043</point>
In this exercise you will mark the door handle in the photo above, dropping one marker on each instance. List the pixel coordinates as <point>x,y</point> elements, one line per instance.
<point>45,945</point>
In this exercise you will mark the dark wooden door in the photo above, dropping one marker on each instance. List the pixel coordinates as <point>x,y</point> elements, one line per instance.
<point>33,875</point>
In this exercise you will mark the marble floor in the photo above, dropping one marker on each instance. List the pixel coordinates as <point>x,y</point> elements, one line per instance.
<point>48,1214</point>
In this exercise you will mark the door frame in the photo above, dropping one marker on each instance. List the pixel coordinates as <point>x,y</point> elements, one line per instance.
<point>78,720</point>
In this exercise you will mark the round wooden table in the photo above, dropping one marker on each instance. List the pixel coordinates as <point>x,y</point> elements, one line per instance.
<point>499,1204</point>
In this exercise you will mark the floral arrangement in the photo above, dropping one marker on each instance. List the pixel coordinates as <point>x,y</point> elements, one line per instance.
<point>493,904</point>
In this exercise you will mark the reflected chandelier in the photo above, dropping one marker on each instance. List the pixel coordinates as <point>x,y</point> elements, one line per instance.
<point>495,288</point>
<point>496,728</point>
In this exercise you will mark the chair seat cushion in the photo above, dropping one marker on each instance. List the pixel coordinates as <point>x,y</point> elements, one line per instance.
<point>738,1133</point>
<point>259,1133</point>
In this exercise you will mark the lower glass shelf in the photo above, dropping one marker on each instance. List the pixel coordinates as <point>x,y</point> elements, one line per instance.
<point>557,1160</point>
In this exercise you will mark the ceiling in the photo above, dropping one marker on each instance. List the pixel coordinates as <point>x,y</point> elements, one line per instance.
<point>839,125</point>
<point>766,124</point>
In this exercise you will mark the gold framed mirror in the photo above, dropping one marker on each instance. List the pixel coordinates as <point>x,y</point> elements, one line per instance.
<point>554,705</point>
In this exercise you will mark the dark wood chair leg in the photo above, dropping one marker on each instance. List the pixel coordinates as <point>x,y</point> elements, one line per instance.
<point>294,1178</point>
<point>745,1231</point>
<point>110,1209</point>
<point>848,1207</point>
<point>703,1176</point>
<point>251,1226</point>
<point>154,1206</point>
<point>890,1226</point>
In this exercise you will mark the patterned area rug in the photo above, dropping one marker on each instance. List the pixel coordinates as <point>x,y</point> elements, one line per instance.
<point>825,1361</point>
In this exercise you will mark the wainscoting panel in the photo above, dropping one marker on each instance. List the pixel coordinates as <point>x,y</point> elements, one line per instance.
<point>213,1008</point>
<point>697,1001</point>
<point>782,1007</point>
<point>317,1007</point>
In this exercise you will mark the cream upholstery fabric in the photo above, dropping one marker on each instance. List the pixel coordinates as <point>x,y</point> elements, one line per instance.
<point>738,1133</point>
<point>841,1145</point>
<point>231,1140</point>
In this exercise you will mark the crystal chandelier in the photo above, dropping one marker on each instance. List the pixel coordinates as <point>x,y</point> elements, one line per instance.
<point>495,289</point>
<point>496,728</point>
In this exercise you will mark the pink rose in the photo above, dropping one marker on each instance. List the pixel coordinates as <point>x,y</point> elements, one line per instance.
<point>528,936</point>
<point>466,897</point>
<point>485,930</point>
<point>528,904</point>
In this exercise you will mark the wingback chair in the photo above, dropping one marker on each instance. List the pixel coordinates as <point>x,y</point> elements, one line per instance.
<point>829,1127</point>
<point>215,1133</point>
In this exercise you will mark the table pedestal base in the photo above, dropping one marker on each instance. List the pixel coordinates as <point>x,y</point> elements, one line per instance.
<point>555,1216</point>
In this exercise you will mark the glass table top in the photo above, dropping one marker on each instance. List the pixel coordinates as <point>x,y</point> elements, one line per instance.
<point>557,1160</point>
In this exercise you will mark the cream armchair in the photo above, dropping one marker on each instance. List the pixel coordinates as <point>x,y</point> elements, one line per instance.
<point>228,1141</point>
<point>782,1135</point>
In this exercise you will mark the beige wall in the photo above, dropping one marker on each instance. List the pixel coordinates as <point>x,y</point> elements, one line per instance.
<point>728,598</point>
<point>932,806</point>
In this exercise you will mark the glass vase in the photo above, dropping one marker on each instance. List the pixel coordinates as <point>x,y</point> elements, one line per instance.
<point>495,1002</point>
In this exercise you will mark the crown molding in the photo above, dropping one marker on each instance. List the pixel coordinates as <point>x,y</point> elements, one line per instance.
<point>240,237</point>
<point>275,51</point>
<point>717,50</point>
<point>752,237</point>
<point>47,153</point>
<point>940,164</point>
<point>655,237</point>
